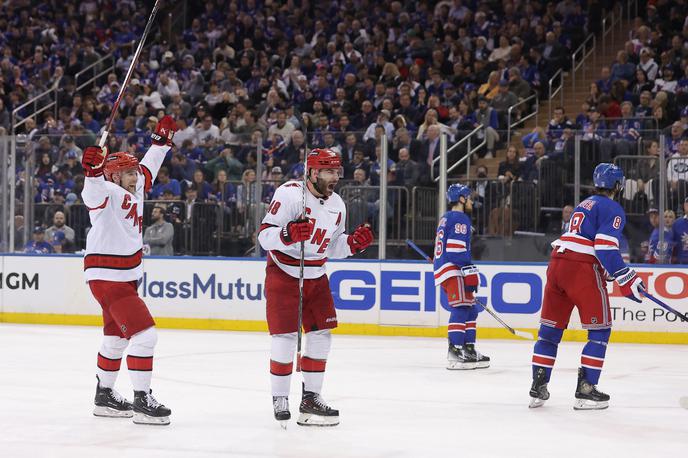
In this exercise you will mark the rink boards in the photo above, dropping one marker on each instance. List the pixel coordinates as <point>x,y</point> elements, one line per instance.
<point>372,297</point>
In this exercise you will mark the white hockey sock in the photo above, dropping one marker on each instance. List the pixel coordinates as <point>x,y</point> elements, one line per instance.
<point>282,351</point>
<point>314,359</point>
<point>110,359</point>
<point>140,359</point>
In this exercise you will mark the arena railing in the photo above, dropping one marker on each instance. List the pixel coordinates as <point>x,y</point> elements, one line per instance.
<point>521,119</point>
<point>554,90</point>
<point>580,55</point>
<point>97,70</point>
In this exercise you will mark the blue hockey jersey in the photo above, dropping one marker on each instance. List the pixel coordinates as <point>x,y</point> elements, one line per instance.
<point>656,253</point>
<point>595,228</point>
<point>680,237</point>
<point>452,245</point>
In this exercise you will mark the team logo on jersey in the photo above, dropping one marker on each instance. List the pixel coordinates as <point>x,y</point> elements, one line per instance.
<point>133,212</point>
<point>460,228</point>
<point>123,328</point>
<point>617,222</point>
<point>593,320</point>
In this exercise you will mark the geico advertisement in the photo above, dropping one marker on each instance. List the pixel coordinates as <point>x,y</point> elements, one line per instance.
<point>387,293</point>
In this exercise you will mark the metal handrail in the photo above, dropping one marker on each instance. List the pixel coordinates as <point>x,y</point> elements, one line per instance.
<point>469,153</point>
<point>94,64</point>
<point>530,115</point>
<point>33,101</point>
<point>559,89</point>
<point>583,48</point>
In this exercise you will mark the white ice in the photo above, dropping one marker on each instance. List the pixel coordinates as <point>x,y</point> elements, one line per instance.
<point>395,396</point>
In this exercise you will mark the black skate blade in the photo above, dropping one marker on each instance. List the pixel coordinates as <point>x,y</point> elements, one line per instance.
<point>309,419</point>
<point>109,412</point>
<point>143,419</point>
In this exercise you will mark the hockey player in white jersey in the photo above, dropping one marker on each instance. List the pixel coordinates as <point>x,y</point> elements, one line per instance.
<point>323,233</point>
<point>114,191</point>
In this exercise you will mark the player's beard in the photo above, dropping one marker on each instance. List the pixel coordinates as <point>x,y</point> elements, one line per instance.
<point>324,187</point>
<point>468,208</point>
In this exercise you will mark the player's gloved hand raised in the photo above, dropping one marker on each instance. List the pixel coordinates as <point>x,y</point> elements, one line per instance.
<point>299,230</point>
<point>164,131</point>
<point>360,239</point>
<point>93,160</point>
<point>471,280</point>
<point>631,284</point>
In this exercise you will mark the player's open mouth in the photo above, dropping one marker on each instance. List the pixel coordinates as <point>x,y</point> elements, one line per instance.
<point>330,187</point>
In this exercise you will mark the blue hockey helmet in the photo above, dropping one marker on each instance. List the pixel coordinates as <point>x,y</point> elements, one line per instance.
<point>607,175</point>
<point>456,191</point>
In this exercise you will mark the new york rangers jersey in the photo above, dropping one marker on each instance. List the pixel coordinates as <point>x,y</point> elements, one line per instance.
<point>595,229</point>
<point>114,244</point>
<point>680,238</point>
<point>452,245</point>
<point>328,239</point>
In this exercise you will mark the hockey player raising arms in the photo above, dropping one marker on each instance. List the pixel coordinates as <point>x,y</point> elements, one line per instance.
<point>583,259</point>
<point>323,233</point>
<point>458,277</point>
<point>114,192</point>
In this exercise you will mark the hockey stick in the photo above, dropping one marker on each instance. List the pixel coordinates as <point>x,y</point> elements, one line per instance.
<point>516,332</point>
<point>299,331</point>
<point>665,306</point>
<point>115,107</point>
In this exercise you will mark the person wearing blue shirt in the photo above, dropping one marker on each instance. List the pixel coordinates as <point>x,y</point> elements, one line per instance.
<point>38,245</point>
<point>583,259</point>
<point>662,254</point>
<point>679,234</point>
<point>165,183</point>
<point>458,277</point>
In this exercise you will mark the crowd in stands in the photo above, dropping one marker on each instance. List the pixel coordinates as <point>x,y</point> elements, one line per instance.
<point>250,77</point>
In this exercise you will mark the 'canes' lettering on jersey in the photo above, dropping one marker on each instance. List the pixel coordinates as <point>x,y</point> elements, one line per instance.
<point>595,228</point>
<point>452,245</point>
<point>327,241</point>
<point>114,244</point>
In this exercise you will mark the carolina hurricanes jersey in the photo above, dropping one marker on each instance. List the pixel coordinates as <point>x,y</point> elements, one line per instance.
<point>452,245</point>
<point>595,228</point>
<point>114,243</point>
<point>328,239</point>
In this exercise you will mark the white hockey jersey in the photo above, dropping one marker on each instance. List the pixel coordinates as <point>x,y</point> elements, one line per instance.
<point>114,245</point>
<point>328,239</point>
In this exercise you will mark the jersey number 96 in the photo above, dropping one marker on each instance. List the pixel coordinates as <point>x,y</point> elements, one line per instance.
<point>439,247</point>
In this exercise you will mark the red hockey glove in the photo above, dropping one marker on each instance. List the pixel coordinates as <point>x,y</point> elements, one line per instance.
<point>164,131</point>
<point>93,160</point>
<point>631,284</point>
<point>471,280</point>
<point>360,239</point>
<point>297,231</point>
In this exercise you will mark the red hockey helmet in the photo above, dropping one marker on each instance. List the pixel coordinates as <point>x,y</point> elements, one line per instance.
<point>323,158</point>
<point>119,162</point>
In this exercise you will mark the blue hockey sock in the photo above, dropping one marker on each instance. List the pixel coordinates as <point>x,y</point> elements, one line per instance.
<point>545,351</point>
<point>457,325</point>
<point>592,358</point>
<point>470,323</point>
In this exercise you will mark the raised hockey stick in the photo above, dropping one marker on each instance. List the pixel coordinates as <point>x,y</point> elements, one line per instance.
<point>299,331</point>
<point>665,306</point>
<point>516,332</point>
<point>134,60</point>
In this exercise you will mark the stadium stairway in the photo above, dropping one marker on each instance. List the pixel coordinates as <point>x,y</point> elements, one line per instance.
<point>573,99</point>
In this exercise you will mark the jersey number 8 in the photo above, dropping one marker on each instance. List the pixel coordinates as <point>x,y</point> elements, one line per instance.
<point>576,222</point>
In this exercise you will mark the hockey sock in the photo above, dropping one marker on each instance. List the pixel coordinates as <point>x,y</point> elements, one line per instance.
<point>470,323</point>
<point>110,359</point>
<point>282,351</point>
<point>315,358</point>
<point>456,330</point>
<point>545,351</point>
<point>140,359</point>
<point>592,358</point>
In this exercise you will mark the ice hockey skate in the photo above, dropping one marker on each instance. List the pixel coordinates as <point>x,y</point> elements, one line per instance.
<point>109,403</point>
<point>148,411</point>
<point>587,395</point>
<point>538,391</point>
<point>458,358</point>
<point>280,405</point>
<point>481,361</point>
<point>314,411</point>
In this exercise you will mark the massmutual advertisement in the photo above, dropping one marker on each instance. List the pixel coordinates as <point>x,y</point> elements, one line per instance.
<point>372,297</point>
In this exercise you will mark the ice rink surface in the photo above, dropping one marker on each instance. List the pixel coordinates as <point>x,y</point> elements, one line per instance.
<point>395,396</point>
